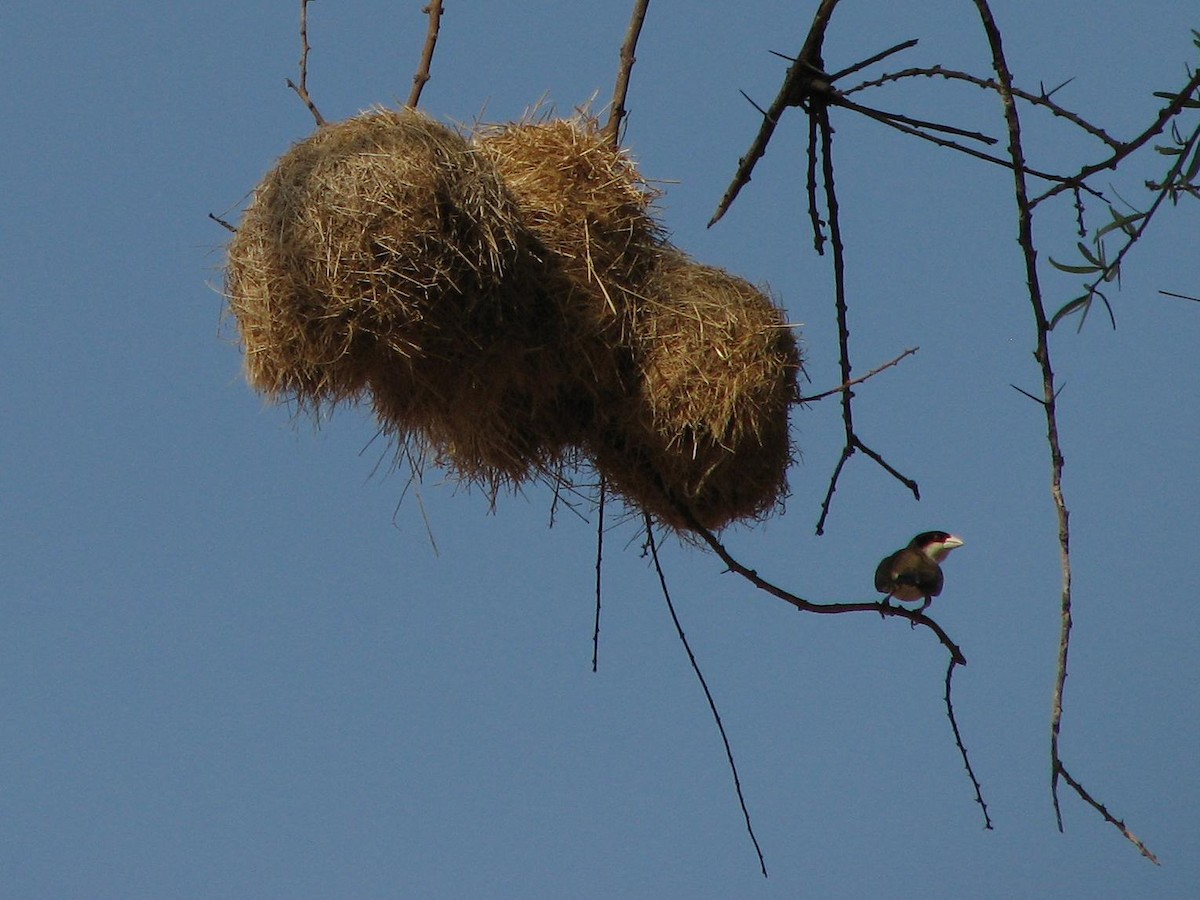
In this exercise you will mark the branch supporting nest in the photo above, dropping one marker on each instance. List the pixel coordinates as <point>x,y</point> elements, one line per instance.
<point>617,111</point>
<point>301,89</point>
<point>422,76</point>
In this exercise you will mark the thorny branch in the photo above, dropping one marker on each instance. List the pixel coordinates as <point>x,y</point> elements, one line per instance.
<point>422,76</point>
<point>1165,115</point>
<point>1042,99</point>
<point>806,85</point>
<point>882,608</point>
<point>853,442</point>
<point>301,89</point>
<point>1105,814</point>
<point>617,111</point>
<point>1049,401</point>
<point>962,749</point>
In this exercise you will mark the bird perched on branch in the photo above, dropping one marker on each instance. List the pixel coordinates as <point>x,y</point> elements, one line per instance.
<point>914,573</point>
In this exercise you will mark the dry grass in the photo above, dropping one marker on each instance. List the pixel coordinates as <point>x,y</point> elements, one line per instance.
<point>708,426</point>
<point>590,212</point>
<point>384,234</point>
<point>508,304</point>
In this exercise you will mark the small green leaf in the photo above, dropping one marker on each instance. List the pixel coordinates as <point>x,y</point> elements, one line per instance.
<point>1069,308</point>
<point>1167,151</point>
<point>1074,270</point>
<point>1125,223</point>
<point>1193,166</point>
<point>1088,255</point>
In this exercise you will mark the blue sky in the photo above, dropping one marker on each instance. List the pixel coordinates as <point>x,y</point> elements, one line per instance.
<point>232,664</point>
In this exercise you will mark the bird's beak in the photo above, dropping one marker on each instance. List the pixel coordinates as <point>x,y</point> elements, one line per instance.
<point>952,542</point>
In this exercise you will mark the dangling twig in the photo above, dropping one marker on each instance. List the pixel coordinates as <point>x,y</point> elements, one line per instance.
<point>599,560</point>
<point>712,704</point>
<point>962,749</point>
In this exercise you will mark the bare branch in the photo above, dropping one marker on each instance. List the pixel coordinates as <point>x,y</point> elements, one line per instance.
<point>301,89</point>
<point>846,385</point>
<point>987,820</point>
<point>617,111</point>
<point>1049,401</point>
<point>803,80</point>
<point>871,60</point>
<point>1165,115</point>
<point>599,560</point>
<point>820,113</point>
<point>1107,816</point>
<point>231,228</point>
<point>712,704</point>
<point>1042,99</point>
<point>422,76</point>
<point>1164,293</point>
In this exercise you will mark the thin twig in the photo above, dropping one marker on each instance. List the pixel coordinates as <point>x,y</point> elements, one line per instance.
<point>233,229</point>
<point>800,82</point>
<point>987,820</point>
<point>1042,99</point>
<point>883,115</point>
<point>599,560</point>
<point>814,212</point>
<point>617,111</point>
<point>1165,115</point>
<point>301,89</point>
<point>845,386</point>
<point>893,121</point>
<point>853,442</point>
<point>712,704</point>
<point>422,76</point>
<point>882,608</point>
<point>1170,294</point>
<point>1107,816</point>
<point>871,60</point>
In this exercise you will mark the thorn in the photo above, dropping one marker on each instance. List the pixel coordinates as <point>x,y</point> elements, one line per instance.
<point>762,111</point>
<point>1038,400</point>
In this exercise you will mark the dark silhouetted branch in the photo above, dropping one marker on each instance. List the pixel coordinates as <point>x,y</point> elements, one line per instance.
<point>987,820</point>
<point>712,704</point>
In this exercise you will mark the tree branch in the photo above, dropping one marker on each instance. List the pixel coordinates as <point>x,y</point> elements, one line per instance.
<point>712,704</point>
<point>617,111</point>
<point>422,76</point>
<point>301,89</point>
<point>846,385</point>
<point>987,820</point>
<point>1048,399</point>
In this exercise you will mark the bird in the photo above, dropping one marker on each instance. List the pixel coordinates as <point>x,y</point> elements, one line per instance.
<point>913,572</point>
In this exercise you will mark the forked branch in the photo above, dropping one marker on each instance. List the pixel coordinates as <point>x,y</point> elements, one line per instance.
<point>301,89</point>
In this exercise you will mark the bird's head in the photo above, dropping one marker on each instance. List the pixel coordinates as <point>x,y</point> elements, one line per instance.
<point>936,544</point>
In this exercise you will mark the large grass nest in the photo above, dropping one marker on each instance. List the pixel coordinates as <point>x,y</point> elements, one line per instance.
<point>385,234</point>
<point>591,214</point>
<point>707,427</point>
<point>509,304</point>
